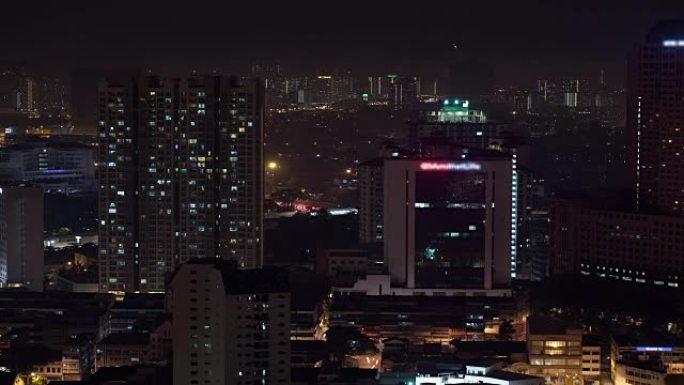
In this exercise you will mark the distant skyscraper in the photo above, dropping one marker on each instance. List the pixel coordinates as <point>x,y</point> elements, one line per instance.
<point>448,221</point>
<point>371,196</point>
<point>230,326</point>
<point>655,119</point>
<point>26,100</point>
<point>403,92</point>
<point>180,172</point>
<point>21,237</point>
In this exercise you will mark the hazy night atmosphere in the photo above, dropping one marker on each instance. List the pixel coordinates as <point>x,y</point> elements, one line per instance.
<point>357,193</point>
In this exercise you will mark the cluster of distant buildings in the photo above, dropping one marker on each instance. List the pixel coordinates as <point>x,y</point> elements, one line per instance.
<point>325,90</point>
<point>22,92</point>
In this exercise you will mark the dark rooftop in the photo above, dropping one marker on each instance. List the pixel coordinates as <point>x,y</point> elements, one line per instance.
<point>373,162</point>
<point>126,339</point>
<point>235,281</point>
<point>546,325</point>
<point>266,280</point>
<point>490,347</point>
<point>141,301</point>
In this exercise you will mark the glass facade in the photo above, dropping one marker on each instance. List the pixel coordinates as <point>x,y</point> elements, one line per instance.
<point>449,229</point>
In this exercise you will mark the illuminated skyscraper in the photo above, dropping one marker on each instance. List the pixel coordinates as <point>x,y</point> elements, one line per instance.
<point>180,172</point>
<point>641,240</point>
<point>448,221</point>
<point>655,119</point>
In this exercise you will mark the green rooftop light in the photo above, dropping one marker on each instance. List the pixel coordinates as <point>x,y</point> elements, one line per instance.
<point>364,96</point>
<point>392,76</point>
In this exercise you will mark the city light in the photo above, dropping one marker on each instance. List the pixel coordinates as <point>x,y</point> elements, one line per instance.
<point>272,165</point>
<point>449,166</point>
<point>654,348</point>
<point>673,43</point>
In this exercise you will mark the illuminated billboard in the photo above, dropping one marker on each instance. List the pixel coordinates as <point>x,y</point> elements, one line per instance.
<point>449,166</point>
<point>654,348</point>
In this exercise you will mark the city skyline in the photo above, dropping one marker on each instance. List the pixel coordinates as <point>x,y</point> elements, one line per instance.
<point>348,194</point>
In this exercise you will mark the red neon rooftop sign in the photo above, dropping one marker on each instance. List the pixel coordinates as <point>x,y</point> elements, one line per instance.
<point>449,166</point>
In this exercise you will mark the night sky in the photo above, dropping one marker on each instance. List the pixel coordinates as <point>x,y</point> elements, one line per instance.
<point>517,36</point>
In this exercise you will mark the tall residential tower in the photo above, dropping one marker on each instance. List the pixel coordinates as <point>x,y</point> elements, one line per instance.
<point>180,174</point>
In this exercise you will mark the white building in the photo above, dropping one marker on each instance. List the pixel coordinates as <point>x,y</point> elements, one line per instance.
<point>230,326</point>
<point>639,373</point>
<point>448,221</point>
<point>481,373</point>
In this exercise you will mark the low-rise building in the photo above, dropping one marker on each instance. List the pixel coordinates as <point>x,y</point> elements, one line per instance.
<point>640,372</point>
<point>421,319</point>
<point>122,349</point>
<point>669,352</point>
<point>555,348</point>
<point>591,359</point>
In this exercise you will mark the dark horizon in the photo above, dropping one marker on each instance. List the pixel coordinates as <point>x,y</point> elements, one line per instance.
<point>522,40</point>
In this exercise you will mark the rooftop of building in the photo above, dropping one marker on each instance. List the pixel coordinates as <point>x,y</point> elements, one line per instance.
<point>141,301</point>
<point>436,149</point>
<point>266,280</point>
<point>269,279</point>
<point>538,324</point>
<point>126,339</point>
<point>377,162</point>
<point>490,347</point>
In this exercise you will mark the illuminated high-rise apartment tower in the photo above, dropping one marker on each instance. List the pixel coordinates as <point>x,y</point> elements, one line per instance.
<point>180,174</point>
<point>655,119</point>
